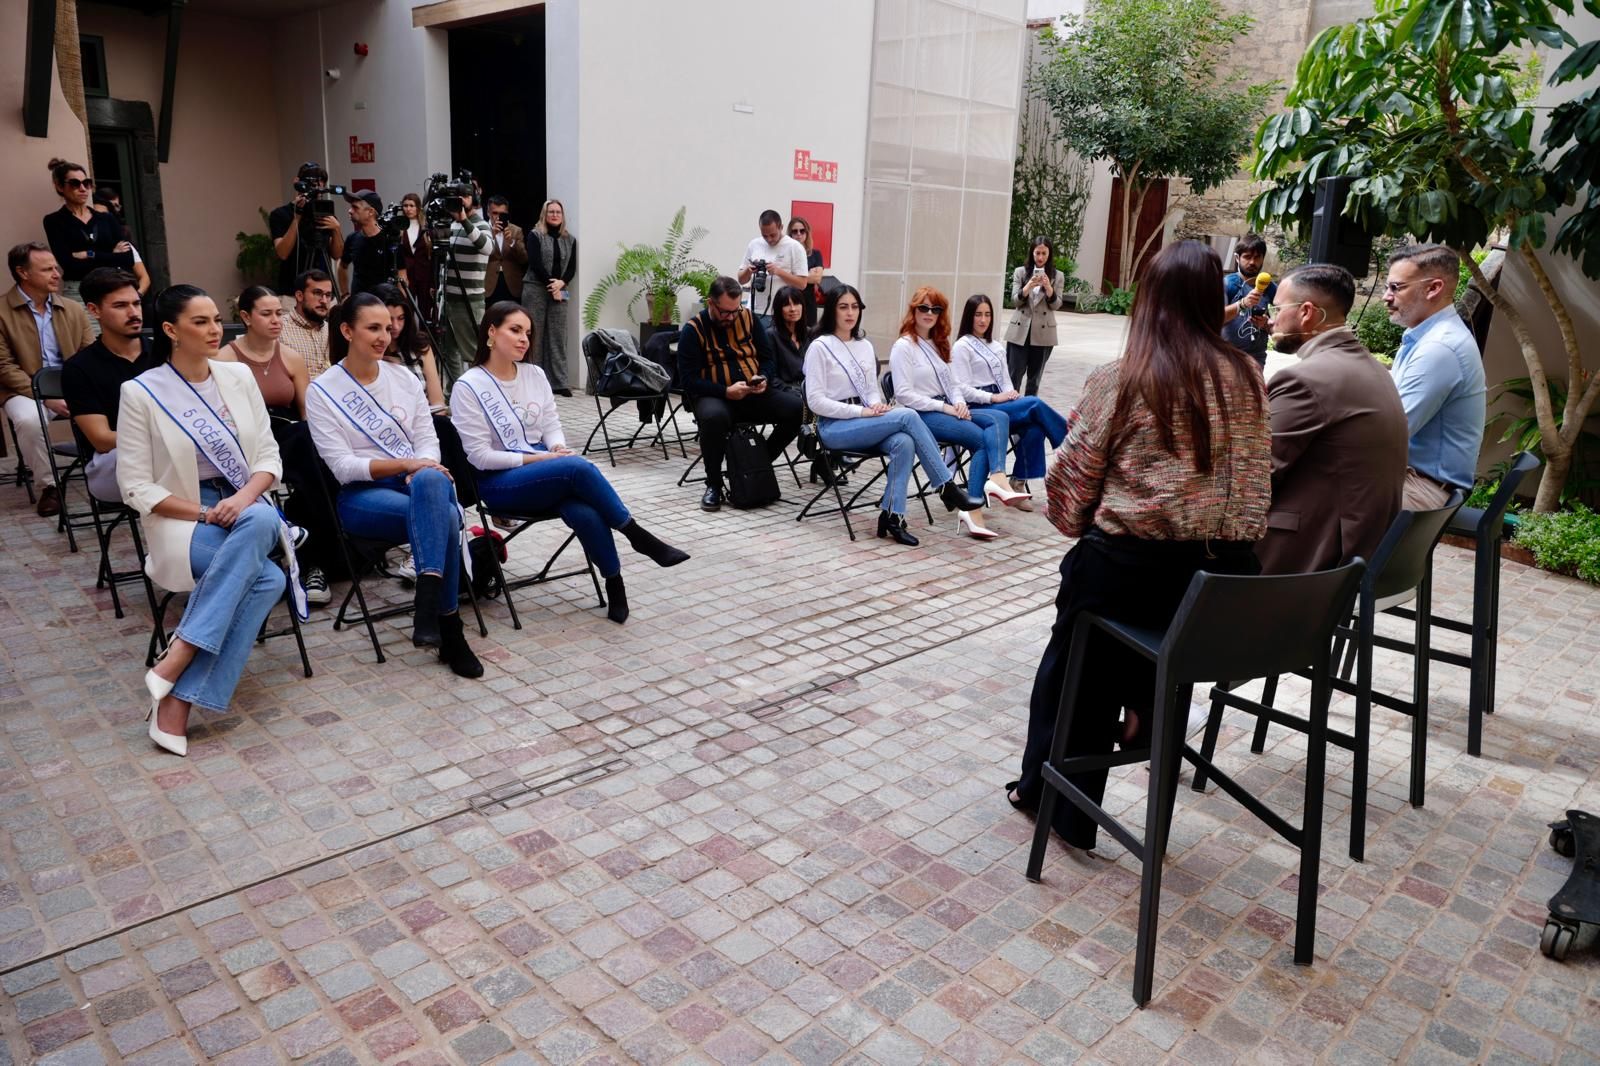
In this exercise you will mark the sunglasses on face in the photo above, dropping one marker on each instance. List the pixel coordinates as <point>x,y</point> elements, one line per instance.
<point>797,232</point>
<point>928,309</point>
<point>79,183</point>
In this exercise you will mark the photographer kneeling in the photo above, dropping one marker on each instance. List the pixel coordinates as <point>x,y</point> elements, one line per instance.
<point>305,231</point>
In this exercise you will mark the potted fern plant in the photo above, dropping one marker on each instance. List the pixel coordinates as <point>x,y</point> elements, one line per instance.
<point>660,272</point>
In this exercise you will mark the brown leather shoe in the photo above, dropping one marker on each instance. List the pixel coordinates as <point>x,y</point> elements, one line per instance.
<point>49,502</point>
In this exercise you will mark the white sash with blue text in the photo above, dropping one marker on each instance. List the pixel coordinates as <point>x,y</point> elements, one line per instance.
<point>213,439</point>
<point>364,412</point>
<point>503,418</point>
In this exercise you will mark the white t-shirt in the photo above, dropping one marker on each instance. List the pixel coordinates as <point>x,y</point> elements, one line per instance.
<point>213,397</point>
<point>790,254</point>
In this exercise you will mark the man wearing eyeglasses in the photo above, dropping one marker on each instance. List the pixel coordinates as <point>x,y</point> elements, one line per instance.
<point>1439,372</point>
<point>725,361</point>
<point>1338,431</point>
<point>785,260</point>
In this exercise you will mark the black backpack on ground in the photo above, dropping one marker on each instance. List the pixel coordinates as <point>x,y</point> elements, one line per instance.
<point>750,479</point>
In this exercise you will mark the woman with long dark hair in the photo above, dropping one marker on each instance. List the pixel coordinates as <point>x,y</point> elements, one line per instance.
<point>925,382</point>
<point>195,455</point>
<point>1167,471</point>
<point>800,230</point>
<point>980,366</point>
<point>371,424</point>
<point>842,391</point>
<point>409,346</point>
<point>1036,289</point>
<point>416,252</point>
<point>506,414</point>
<point>788,334</point>
<point>80,237</point>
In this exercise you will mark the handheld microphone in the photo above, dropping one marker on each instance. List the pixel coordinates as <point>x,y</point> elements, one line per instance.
<point>1263,279</point>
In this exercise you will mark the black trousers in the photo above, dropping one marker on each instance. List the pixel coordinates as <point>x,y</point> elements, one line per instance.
<point>1029,360</point>
<point>716,416</point>
<point>1140,582</point>
<point>307,507</point>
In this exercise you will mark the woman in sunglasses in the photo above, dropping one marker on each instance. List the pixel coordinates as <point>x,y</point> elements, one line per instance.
<point>842,391</point>
<point>80,237</point>
<point>925,382</point>
<point>800,230</point>
<point>980,364</point>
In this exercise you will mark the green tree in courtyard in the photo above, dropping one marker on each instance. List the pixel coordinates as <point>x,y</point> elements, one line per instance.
<point>1136,82</point>
<point>1426,105</point>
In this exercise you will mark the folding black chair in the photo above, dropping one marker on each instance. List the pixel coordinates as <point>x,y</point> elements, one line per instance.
<point>784,458</point>
<point>1401,569</point>
<point>1226,627</point>
<point>20,475</point>
<point>158,611</point>
<point>107,517</point>
<point>849,462</point>
<point>1486,528</point>
<point>363,555</point>
<point>595,352</point>
<point>47,386</point>
<point>923,487</point>
<point>498,582</point>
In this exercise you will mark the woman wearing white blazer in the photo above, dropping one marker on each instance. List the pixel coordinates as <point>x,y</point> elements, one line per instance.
<point>505,412</point>
<point>195,453</point>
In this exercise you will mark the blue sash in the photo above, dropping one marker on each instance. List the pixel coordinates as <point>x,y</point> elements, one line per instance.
<point>365,412</point>
<point>212,438</point>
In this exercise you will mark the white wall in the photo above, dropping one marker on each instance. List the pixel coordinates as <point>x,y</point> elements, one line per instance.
<point>396,97</point>
<point>655,128</point>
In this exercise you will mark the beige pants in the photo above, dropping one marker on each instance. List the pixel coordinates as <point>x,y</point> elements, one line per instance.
<point>24,415</point>
<point>1422,493</point>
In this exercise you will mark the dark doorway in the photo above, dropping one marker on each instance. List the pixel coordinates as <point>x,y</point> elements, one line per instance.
<point>122,145</point>
<point>1149,225</point>
<point>497,109</point>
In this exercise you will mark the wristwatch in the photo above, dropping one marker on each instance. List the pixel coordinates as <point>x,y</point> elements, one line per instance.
<point>205,516</point>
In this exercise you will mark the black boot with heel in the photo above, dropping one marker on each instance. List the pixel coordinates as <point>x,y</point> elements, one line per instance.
<point>893,527</point>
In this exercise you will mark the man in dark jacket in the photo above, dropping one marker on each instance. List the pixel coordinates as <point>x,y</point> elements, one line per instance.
<point>1339,433</point>
<point>725,361</point>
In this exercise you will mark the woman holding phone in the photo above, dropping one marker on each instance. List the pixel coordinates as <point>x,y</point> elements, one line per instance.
<point>1036,290</point>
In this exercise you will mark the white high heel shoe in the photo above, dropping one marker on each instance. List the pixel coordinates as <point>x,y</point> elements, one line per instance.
<point>160,688</point>
<point>1002,493</point>
<point>965,524</point>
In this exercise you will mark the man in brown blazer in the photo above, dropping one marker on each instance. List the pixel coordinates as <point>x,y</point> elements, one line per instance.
<point>38,328</point>
<point>508,254</point>
<point>1339,436</point>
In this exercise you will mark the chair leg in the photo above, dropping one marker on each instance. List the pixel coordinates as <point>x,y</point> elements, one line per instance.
<point>1363,728</point>
<point>1158,823</point>
<point>1485,599</point>
<point>1305,929</point>
<point>1065,710</point>
<point>1419,689</point>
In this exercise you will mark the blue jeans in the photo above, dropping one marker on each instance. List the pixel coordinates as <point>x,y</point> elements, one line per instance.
<point>986,437</point>
<point>1035,421</point>
<point>572,487</point>
<point>235,588</point>
<point>423,514</point>
<point>901,436</point>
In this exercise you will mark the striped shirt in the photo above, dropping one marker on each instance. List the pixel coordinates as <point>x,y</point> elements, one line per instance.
<point>310,341</point>
<point>468,263</point>
<point>1131,485</point>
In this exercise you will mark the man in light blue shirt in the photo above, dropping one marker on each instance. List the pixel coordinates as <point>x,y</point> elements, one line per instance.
<point>1439,373</point>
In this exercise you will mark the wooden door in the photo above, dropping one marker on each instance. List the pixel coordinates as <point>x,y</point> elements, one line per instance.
<point>1150,218</point>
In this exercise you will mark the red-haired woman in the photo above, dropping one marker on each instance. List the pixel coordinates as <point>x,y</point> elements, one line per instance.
<point>1167,470</point>
<point>925,382</point>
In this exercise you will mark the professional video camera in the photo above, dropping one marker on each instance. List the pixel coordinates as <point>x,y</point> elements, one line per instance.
<point>442,199</point>
<point>321,200</point>
<point>393,222</point>
<point>758,280</point>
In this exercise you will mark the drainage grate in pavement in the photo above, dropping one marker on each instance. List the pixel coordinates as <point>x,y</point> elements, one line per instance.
<point>516,793</point>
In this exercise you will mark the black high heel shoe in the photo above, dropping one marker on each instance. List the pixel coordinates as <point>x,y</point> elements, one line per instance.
<point>893,527</point>
<point>828,475</point>
<point>956,500</point>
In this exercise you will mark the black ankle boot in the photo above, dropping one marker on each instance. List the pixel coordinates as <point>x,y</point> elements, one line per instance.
<point>893,527</point>
<point>616,599</point>
<point>425,616</point>
<point>956,500</point>
<point>649,545</point>
<point>453,649</point>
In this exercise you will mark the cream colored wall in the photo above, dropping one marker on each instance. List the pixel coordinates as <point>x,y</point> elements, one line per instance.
<point>28,193</point>
<point>224,159</point>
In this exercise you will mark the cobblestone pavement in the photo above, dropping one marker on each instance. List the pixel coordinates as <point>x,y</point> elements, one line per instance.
<point>762,822</point>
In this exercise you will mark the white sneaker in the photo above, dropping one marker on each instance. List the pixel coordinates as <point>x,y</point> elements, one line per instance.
<point>316,586</point>
<point>407,570</point>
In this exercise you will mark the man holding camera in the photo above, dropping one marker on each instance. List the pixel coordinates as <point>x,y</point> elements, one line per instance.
<point>367,249</point>
<point>466,266</point>
<point>771,260</point>
<point>305,231</point>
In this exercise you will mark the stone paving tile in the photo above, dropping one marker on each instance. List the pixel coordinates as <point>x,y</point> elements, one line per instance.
<point>769,828</point>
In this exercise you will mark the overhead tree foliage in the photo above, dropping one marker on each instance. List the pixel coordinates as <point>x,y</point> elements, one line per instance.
<point>1421,104</point>
<point>1135,82</point>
